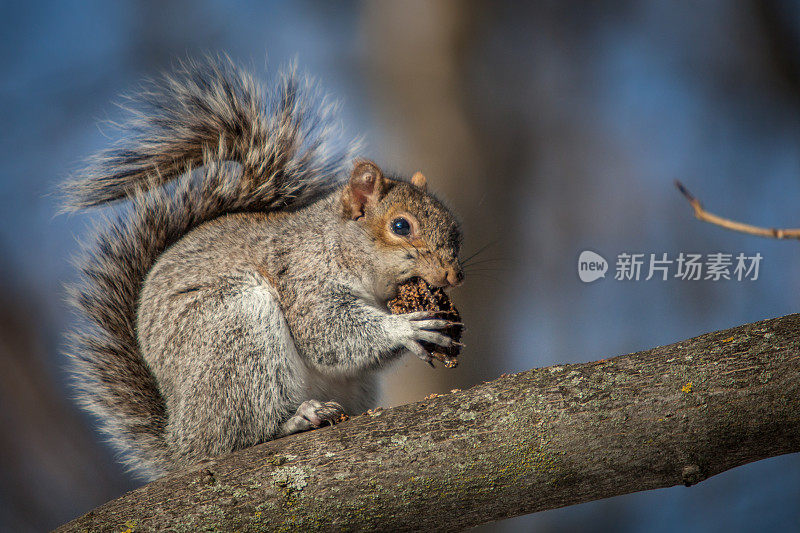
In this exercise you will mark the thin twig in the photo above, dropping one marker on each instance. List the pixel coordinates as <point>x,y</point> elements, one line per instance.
<point>702,214</point>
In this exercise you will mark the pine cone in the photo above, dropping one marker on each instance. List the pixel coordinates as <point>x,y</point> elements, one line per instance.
<point>416,295</point>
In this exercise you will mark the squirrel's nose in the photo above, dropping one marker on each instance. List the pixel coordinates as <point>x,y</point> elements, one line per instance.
<point>454,277</point>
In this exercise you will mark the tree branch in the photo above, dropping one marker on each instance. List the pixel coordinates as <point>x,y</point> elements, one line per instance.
<point>532,441</point>
<point>741,227</point>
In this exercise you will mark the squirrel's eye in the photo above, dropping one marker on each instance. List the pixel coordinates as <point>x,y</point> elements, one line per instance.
<point>401,226</point>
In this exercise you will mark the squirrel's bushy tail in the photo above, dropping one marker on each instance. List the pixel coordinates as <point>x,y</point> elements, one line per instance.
<point>258,151</point>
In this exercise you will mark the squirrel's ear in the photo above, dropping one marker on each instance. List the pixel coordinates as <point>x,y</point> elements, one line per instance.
<point>366,186</point>
<point>418,180</point>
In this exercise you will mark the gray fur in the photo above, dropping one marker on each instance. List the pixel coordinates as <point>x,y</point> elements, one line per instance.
<point>223,307</point>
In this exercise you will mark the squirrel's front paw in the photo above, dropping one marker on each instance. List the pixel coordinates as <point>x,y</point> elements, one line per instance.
<point>313,414</point>
<point>422,326</point>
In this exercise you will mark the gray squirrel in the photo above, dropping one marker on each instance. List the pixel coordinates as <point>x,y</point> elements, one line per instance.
<point>240,293</point>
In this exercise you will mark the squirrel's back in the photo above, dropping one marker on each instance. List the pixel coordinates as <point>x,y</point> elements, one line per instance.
<point>205,142</point>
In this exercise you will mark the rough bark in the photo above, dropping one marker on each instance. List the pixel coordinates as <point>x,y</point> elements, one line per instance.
<point>537,440</point>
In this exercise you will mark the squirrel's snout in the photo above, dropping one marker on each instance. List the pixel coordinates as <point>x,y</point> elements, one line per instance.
<point>448,277</point>
<point>451,277</point>
<point>454,277</point>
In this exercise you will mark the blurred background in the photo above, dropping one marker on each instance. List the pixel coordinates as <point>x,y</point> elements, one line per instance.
<point>551,127</point>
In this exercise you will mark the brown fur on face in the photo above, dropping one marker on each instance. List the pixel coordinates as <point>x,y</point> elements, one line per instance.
<point>431,249</point>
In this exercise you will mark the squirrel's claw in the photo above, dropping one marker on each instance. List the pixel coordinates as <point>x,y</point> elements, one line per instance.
<point>418,350</point>
<point>312,414</point>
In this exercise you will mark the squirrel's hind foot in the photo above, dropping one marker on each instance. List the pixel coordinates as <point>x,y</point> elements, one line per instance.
<point>313,414</point>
